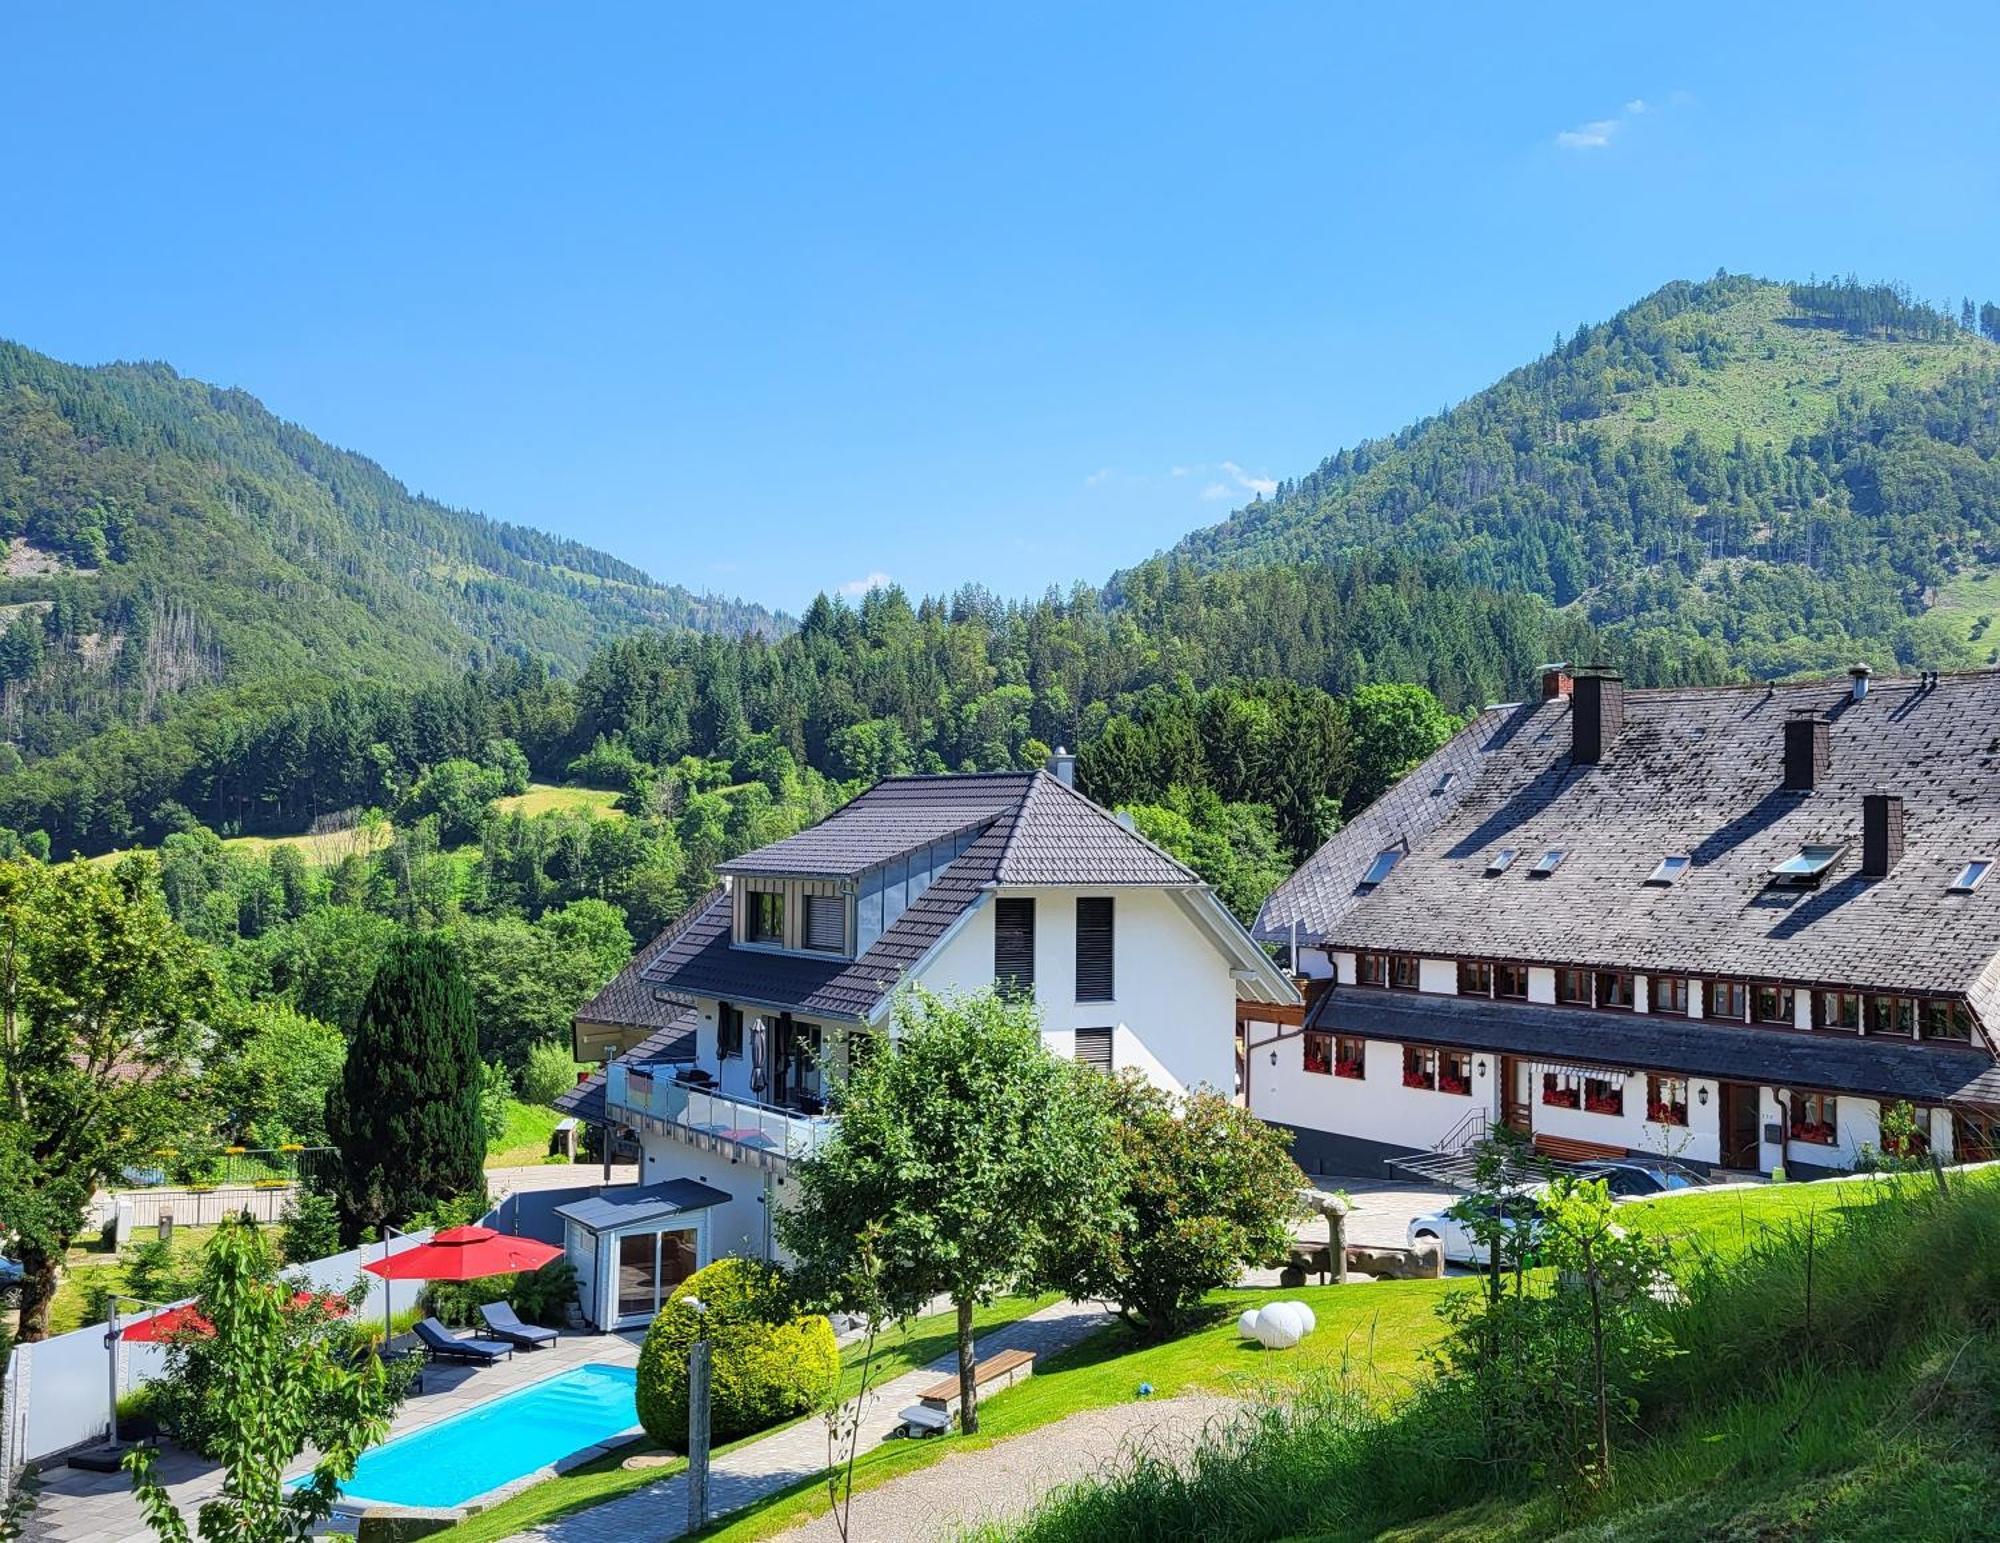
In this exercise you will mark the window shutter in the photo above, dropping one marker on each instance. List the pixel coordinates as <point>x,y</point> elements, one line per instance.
<point>1093,1049</point>
<point>1014,945</point>
<point>728,1030</point>
<point>826,923</point>
<point>1093,949</point>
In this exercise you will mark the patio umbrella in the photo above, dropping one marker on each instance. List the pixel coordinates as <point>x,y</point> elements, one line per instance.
<point>465,1253</point>
<point>189,1318</point>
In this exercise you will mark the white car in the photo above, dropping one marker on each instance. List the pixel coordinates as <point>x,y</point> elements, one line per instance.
<point>1462,1244</point>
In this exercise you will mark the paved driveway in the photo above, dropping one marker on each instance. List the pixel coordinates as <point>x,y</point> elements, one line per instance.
<point>1379,1214</point>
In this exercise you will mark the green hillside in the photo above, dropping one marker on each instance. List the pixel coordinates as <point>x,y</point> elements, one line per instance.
<point>162,537</point>
<point>1727,477</point>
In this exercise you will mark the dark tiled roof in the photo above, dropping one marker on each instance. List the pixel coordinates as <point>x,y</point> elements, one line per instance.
<point>1832,1063</point>
<point>895,816</point>
<point>1035,830</point>
<point>629,1000</point>
<point>630,1206</point>
<point>1696,772</point>
<point>673,1041</point>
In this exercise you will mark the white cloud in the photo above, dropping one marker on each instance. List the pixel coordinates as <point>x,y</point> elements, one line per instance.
<point>856,588</point>
<point>1216,490</point>
<point>1098,478</point>
<point>1260,484</point>
<point>1598,133</point>
<point>1226,479</point>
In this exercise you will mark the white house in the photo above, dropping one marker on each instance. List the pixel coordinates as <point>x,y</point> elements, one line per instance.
<point>758,995</point>
<point>1728,926</point>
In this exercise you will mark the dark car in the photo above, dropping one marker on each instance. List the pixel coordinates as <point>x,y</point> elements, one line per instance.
<point>1636,1180</point>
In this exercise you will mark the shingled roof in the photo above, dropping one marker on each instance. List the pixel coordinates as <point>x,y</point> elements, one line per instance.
<point>1698,772</point>
<point>673,1041</point>
<point>1033,830</point>
<point>629,1000</point>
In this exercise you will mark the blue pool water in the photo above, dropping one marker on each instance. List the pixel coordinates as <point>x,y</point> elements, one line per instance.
<point>448,1463</point>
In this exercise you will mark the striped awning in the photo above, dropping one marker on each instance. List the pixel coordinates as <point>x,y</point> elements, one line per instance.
<point>1579,1069</point>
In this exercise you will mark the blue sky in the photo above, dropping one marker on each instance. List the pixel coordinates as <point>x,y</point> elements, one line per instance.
<point>771,300</point>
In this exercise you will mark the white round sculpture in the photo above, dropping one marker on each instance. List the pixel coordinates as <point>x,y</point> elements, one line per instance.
<point>1307,1314</point>
<point>1246,1323</point>
<point>1281,1325</point>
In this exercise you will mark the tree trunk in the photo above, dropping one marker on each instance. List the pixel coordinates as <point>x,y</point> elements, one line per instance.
<point>39,1280</point>
<point>968,1392</point>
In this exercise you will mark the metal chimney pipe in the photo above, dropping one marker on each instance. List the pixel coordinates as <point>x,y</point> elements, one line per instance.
<point>1859,673</point>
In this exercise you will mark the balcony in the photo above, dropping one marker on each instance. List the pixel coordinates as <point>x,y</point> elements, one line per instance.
<point>652,1097</point>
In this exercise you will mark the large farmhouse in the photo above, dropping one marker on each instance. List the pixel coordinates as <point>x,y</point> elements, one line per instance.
<point>1729,926</point>
<point>737,1025</point>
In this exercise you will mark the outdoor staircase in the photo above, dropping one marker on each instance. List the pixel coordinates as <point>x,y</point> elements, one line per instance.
<point>1454,1161</point>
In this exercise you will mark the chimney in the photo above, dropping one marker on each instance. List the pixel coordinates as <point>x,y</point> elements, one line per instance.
<point>1859,673</point>
<point>1881,834</point>
<point>1808,752</point>
<point>1556,681</point>
<point>1062,767</point>
<point>1597,713</point>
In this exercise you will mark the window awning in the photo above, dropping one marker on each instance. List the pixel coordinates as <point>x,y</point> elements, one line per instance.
<point>1579,1069</point>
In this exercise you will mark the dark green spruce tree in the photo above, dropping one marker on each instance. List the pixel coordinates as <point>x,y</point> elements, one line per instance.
<point>405,1117</point>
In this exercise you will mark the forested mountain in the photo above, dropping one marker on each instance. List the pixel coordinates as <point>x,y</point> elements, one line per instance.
<point>1732,477</point>
<point>164,538</point>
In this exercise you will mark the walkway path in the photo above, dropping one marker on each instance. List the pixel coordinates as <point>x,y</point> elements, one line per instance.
<point>1000,1482</point>
<point>761,1468</point>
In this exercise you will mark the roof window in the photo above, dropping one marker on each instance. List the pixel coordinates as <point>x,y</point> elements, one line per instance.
<point>1670,869</point>
<point>1970,875</point>
<point>1385,863</point>
<point>1445,782</point>
<point>1549,861</point>
<point>1806,867</point>
<point>1502,860</point>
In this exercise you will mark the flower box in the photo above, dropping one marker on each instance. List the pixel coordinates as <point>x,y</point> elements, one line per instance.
<point>1561,1098</point>
<point>1456,1085</point>
<point>1817,1132</point>
<point>1349,1069</point>
<point>1417,1080</point>
<point>1667,1114</point>
<point>1615,1104</point>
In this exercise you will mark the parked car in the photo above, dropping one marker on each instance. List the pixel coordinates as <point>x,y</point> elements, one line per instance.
<point>1519,1215</point>
<point>11,1273</point>
<point>1637,1179</point>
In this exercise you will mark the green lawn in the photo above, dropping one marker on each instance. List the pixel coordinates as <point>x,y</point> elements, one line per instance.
<point>543,797</point>
<point>91,1265</point>
<point>896,1352</point>
<point>1726,1220</point>
<point>1373,1332</point>
<point>525,1141</point>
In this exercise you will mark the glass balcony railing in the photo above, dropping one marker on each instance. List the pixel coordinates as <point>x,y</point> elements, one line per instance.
<point>742,1122</point>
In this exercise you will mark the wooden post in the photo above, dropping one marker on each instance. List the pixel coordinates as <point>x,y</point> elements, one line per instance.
<point>698,1435</point>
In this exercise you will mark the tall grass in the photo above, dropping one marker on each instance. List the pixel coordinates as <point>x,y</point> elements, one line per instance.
<point>1830,1343</point>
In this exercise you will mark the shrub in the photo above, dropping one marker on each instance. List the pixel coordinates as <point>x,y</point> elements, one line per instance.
<point>309,1229</point>
<point>550,1072</point>
<point>768,1362</point>
<point>540,1296</point>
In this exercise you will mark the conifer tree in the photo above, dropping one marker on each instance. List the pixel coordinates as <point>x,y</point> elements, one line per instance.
<point>405,1116</point>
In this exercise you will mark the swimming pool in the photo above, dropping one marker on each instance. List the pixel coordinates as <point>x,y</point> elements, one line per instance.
<point>466,1455</point>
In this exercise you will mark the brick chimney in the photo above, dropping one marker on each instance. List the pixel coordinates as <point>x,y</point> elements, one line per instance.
<point>1556,681</point>
<point>1808,752</point>
<point>1597,713</point>
<point>1881,834</point>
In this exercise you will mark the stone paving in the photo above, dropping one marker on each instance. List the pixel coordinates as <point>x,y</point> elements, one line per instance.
<point>80,1507</point>
<point>761,1468</point>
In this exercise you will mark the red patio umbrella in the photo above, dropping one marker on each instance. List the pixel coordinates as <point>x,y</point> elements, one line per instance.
<point>465,1253</point>
<point>189,1318</point>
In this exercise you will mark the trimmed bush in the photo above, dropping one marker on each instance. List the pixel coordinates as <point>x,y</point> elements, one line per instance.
<point>768,1362</point>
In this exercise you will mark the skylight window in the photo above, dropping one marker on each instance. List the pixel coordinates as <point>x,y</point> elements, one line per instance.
<point>1502,860</point>
<point>1670,869</point>
<point>1807,866</point>
<point>1380,869</point>
<point>1445,782</point>
<point>1549,861</point>
<point>1970,875</point>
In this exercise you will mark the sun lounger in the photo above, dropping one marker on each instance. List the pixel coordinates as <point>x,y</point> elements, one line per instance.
<point>444,1346</point>
<point>506,1324</point>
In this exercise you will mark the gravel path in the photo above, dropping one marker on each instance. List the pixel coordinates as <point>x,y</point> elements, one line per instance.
<point>1003,1480</point>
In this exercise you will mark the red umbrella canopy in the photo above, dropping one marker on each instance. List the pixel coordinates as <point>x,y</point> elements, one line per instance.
<point>188,1318</point>
<point>465,1253</point>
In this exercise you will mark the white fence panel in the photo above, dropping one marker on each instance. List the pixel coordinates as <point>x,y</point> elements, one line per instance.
<point>59,1389</point>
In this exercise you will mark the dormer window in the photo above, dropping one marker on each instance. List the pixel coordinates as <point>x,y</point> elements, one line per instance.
<point>766,922</point>
<point>1548,862</point>
<point>1670,869</point>
<point>1384,864</point>
<point>826,924</point>
<point>1806,867</point>
<point>1501,860</point>
<point>1970,875</point>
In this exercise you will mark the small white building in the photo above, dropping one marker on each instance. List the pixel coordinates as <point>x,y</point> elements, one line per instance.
<point>948,882</point>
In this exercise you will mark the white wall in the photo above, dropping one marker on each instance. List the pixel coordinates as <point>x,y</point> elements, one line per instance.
<point>1541,984</point>
<point>736,1227</point>
<point>1376,1108</point>
<point>1175,1008</point>
<point>1438,976</point>
<point>1700,1140</point>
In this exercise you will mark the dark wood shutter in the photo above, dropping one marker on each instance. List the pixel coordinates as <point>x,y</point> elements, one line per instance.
<point>1093,949</point>
<point>1093,1049</point>
<point>728,1029</point>
<point>1014,945</point>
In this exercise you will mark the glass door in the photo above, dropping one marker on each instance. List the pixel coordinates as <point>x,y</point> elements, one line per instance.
<point>638,1274</point>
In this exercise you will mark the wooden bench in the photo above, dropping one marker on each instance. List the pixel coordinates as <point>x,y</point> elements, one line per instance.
<point>932,1413</point>
<point>1570,1150</point>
